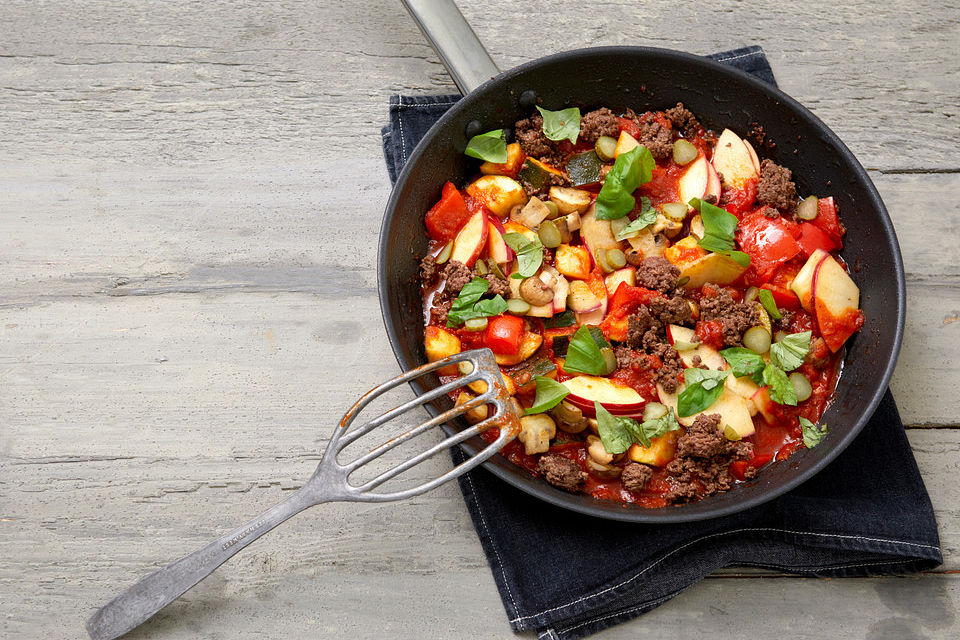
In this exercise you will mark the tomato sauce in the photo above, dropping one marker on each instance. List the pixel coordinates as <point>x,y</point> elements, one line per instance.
<point>778,433</point>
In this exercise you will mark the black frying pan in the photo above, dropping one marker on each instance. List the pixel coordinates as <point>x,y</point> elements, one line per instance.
<point>645,78</point>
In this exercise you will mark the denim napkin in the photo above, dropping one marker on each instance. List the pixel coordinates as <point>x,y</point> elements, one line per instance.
<point>568,575</point>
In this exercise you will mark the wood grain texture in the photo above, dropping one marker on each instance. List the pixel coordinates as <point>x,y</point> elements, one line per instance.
<point>189,200</point>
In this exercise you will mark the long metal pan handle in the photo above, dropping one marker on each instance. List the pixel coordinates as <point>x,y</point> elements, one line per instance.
<point>459,49</point>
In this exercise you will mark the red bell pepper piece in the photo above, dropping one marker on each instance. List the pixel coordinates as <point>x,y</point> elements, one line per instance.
<point>503,334</point>
<point>625,301</point>
<point>446,217</point>
<point>827,220</point>
<point>813,238</point>
<point>768,242</point>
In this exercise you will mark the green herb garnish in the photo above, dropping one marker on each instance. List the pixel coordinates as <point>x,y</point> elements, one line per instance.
<point>630,170</point>
<point>656,427</point>
<point>743,362</point>
<point>469,305</point>
<point>788,354</point>
<point>779,385</point>
<point>812,434</point>
<point>646,217</point>
<point>702,388</point>
<point>583,354</point>
<point>769,304</point>
<point>616,432</point>
<point>561,125</point>
<point>549,394</point>
<point>490,146</point>
<point>719,227</point>
<point>529,253</point>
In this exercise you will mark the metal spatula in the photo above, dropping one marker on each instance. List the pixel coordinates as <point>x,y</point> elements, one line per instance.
<point>330,483</point>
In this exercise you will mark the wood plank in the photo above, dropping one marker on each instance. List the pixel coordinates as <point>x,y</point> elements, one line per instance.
<point>299,77</point>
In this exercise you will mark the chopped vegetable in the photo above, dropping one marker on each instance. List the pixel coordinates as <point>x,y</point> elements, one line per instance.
<point>490,146</point>
<point>812,434</point>
<point>630,170</point>
<point>549,394</point>
<point>702,388</point>
<point>561,125</point>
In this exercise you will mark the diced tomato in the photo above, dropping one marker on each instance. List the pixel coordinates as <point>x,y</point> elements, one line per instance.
<point>710,333</point>
<point>631,127</point>
<point>625,301</point>
<point>738,468</point>
<point>737,201</point>
<point>446,217</point>
<point>827,220</point>
<point>779,284</point>
<point>503,334</point>
<point>813,238</point>
<point>768,242</point>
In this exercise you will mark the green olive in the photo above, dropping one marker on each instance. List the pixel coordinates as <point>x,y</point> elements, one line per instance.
<point>616,258</point>
<point>674,210</point>
<point>654,411</point>
<point>444,254</point>
<point>554,210</point>
<point>684,152</point>
<point>549,234</point>
<point>808,209</point>
<point>801,386</point>
<point>757,339</point>
<point>475,324</point>
<point>518,306</point>
<point>606,148</point>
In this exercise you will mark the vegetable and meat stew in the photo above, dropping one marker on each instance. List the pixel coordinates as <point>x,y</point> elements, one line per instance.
<point>667,311</point>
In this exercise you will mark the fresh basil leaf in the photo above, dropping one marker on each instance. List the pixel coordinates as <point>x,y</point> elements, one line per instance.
<point>492,307</point>
<point>779,385</point>
<point>529,253</point>
<point>549,394</point>
<point>597,334</point>
<point>565,319</point>
<point>583,354</point>
<point>630,170</point>
<point>769,304</point>
<point>813,434</point>
<point>646,217</point>
<point>616,432</point>
<point>719,227</point>
<point>702,388</point>
<point>490,146</point>
<point>743,362</point>
<point>652,429</point>
<point>561,125</point>
<point>469,305</point>
<point>788,354</point>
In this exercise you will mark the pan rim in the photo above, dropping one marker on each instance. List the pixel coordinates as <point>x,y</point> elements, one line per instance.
<point>672,514</point>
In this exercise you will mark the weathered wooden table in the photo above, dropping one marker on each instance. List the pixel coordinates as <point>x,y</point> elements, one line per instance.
<point>190,195</point>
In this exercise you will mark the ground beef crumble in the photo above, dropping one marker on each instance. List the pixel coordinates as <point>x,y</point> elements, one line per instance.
<point>601,122</point>
<point>775,188</point>
<point>529,133</point>
<point>636,476</point>
<point>429,272</point>
<point>498,286</point>
<point>658,274</point>
<point>457,275</point>
<point>683,120</point>
<point>561,472</point>
<point>442,301</point>
<point>675,310</point>
<point>657,138</point>
<point>734,317</point>
<point>701,466</point>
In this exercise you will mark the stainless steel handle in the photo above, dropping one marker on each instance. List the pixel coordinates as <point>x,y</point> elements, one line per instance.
<point>451,36</point>
<point>155,591</point>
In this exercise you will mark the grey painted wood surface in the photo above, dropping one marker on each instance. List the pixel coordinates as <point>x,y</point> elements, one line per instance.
<point>189,200</point>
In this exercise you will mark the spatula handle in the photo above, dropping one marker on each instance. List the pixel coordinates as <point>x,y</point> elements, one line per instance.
<point>155,591</point>
<point>459,49</point>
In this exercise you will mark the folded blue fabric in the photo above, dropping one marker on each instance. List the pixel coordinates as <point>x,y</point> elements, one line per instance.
<point>567,575</point>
